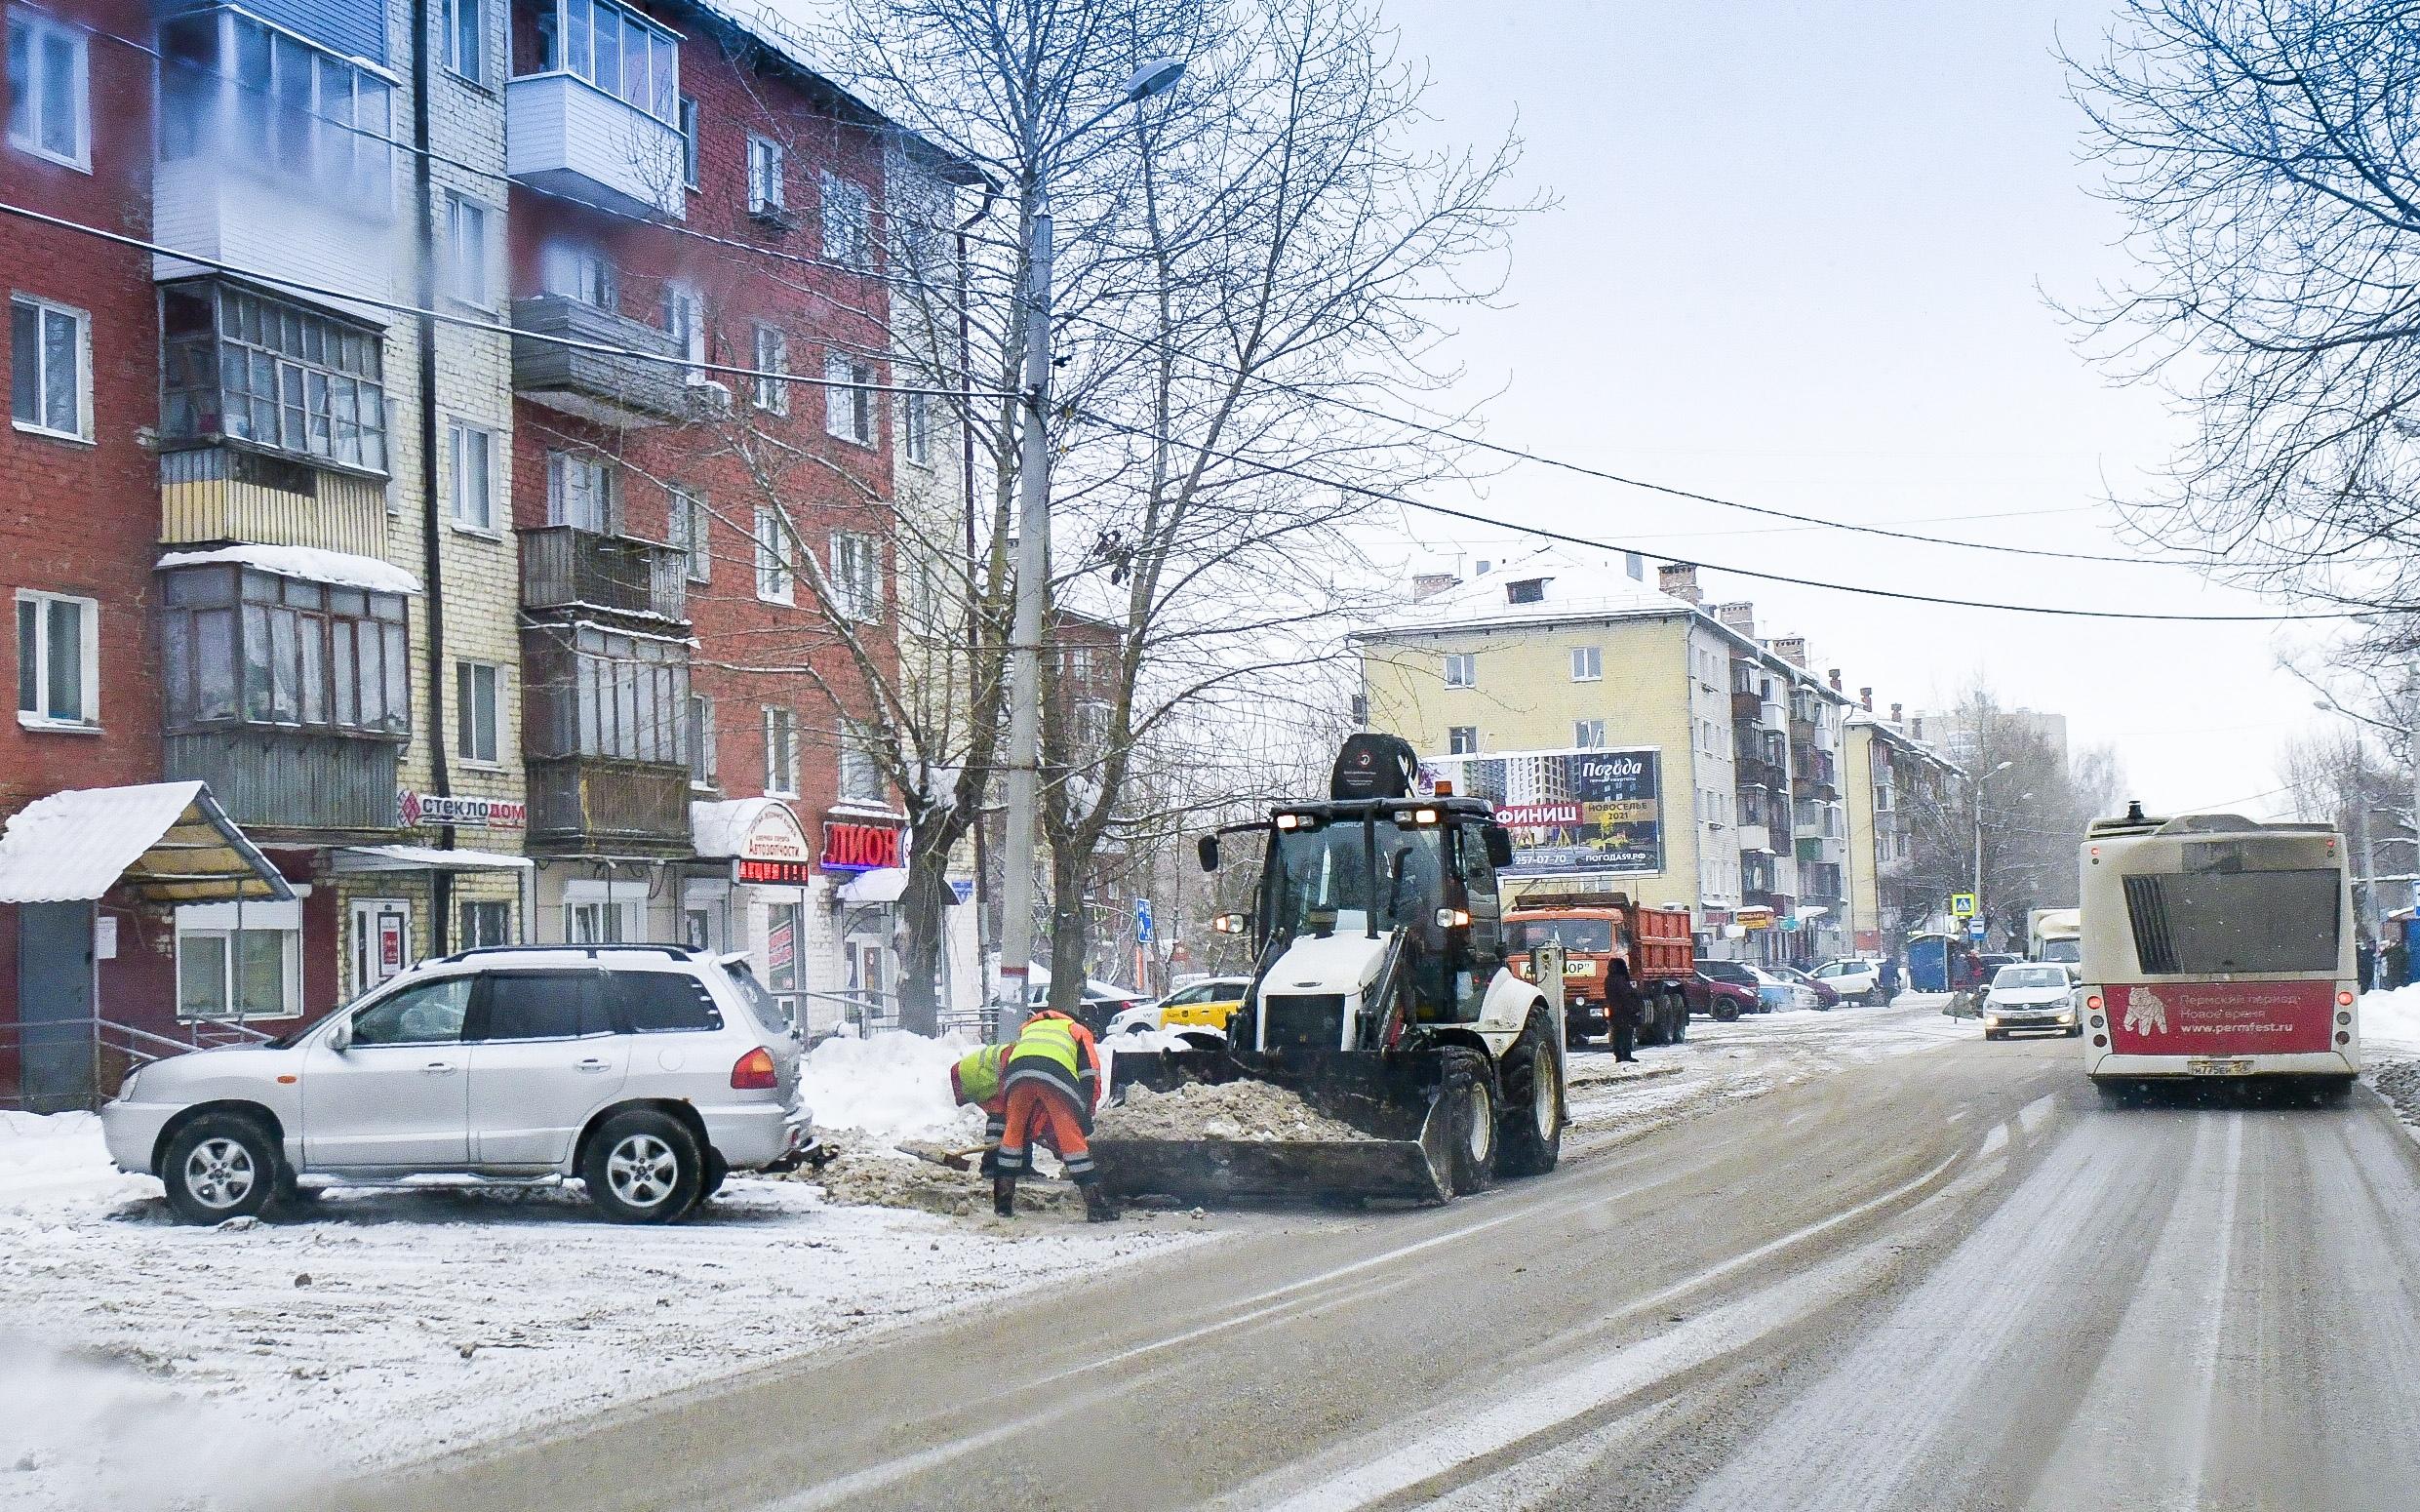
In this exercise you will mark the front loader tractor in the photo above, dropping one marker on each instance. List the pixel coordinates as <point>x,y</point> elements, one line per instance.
<point>1382,993</point>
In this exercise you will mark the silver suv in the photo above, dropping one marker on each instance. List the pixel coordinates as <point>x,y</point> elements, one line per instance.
<point>648,1072</point>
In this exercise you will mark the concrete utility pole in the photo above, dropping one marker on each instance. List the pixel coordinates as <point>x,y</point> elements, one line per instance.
<point>1033,575</point>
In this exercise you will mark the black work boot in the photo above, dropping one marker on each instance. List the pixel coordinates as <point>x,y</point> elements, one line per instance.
<point>1097,1207</point>
<point>1004,1195</point>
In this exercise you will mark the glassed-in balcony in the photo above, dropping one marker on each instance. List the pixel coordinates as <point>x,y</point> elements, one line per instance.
<point>595,118</point>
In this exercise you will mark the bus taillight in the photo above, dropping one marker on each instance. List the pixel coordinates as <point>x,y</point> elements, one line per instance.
<point>2093,1002</point>
<point>2344,1000</point>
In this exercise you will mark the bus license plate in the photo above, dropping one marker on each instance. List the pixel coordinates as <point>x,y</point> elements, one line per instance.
<point>2218,1065</point>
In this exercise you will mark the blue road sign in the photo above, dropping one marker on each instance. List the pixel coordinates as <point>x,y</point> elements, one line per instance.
<point>1142,920</point>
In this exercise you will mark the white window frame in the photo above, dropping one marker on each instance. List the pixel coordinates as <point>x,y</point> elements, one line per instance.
<point>860,778</point>
<point>605,490</point>
<point>685,112</point>
<point>218,922</point>
<point>776,573</point>
<point>472,65</point>
<point>1461,669</point>
<point>1588,735</point>
<point>849,397</point>
<point>684,321</point>
<point>574,269</point>
<point>856,576</point>
<point>765,170</point>
<point>45,310</point>
<point>704,765</point>
<point>770,348</point>
<point>28,98</point>
<point>1462,740</point>
<point>916,428</point>
<point>594,897</point>
<point>468,718</point>
<point>780,752</point>
<point>467,270</point>
<point>688,520</point>
<point>848,229</point>
<point>1587,664</point>
<point>458,476</point>
<point>89,674</point>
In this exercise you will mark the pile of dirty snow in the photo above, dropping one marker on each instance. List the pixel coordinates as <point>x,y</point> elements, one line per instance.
<point>889,1089</point>
<point>1260,1112</point>
<point>2392,1018</point>
<point>2399,1082</point>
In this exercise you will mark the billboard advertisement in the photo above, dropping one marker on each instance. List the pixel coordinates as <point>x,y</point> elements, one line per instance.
<point>1571,812</point>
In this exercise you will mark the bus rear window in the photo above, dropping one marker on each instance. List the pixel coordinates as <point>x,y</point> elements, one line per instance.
<point>2208,923</point>
<point>1572,934</point>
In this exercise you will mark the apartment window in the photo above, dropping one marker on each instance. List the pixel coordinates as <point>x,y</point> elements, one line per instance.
<point>58,660</point>
<point>582,491</point>
<point>701,748</point>
<point>764,175</point>
<point>245,646</point>
<point>688,142</point>
<point>848,397</point>
<point>916,427</point>
<point>606,693</point>
<point>485,925</point>
<point>1588,734</point>
<point>1461,669</point>
<point>465,40</point>
<point>618,50</point>
<point>856,576</point>
<point>50,368</point>
<point>477,708</point>
<point>780,753</point>
<point>267,101</point>
<point>248,368</point>
<point>49,110</point>
<point>1587,664</point>
<point>685,320</point>
<point>470,462</point>
<point>687,515</point>
<point>465,250</point>
<point>861,773</point>
<point>239,961</point>
<point>1462,741</point>
<point>578,271</point>
<point>772,356</point>
<point>848,222</point>
<point>773,568</point>
<point>1528,590</point>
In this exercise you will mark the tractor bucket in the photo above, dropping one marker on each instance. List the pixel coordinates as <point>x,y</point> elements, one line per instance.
<point>1392,1097</point>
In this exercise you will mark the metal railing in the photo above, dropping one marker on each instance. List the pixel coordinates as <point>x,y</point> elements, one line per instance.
<point>116,1050</point>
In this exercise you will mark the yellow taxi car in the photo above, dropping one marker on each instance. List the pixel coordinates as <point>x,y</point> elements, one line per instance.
<point>1207,1003</point>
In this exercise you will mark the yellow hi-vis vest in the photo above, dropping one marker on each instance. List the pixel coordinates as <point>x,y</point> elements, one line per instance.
<point>1051,1039</point>
<point>975,1078</point>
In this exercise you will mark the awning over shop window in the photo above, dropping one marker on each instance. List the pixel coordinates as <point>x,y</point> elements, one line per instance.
<point>419,858</point>
<point>747,829</point>
<point>167,842</point>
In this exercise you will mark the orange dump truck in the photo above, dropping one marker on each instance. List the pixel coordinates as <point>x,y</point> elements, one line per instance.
<point>1594,930</point>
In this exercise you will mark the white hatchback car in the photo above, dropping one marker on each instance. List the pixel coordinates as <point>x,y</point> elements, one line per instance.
<point>648,1072</point>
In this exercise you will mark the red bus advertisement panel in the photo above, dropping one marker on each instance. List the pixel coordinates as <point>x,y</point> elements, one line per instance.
<point>2222,1018</point>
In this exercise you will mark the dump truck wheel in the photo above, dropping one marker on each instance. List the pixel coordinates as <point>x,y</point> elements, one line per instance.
<point>1680,1021</point>
<point>1471,1091</point>
<point>1533,1124</point>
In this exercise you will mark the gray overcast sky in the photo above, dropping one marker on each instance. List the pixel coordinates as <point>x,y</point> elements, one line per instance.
<point>1800,259</point>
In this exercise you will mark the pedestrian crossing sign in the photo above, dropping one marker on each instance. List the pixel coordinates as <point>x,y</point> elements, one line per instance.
<point>1962,905</point>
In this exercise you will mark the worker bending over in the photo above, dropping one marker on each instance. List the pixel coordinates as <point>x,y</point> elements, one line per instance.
<point>1045,1085</point>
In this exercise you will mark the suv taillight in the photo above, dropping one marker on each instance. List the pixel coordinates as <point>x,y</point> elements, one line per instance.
<point>754,1071</point>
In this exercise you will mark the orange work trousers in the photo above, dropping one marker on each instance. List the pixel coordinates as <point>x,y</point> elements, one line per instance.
<point>1038,1109</point>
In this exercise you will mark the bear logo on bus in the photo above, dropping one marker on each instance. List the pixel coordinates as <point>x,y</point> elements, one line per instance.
<point>2145,1013</point>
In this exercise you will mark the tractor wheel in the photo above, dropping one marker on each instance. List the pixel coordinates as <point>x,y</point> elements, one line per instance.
<point>1470,1094</point>
<point>1533,1122</point>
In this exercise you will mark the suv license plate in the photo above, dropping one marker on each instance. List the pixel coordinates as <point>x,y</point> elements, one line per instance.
<point>2214,1065</point>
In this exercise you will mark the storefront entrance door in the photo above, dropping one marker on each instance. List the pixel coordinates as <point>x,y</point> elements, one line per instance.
<point>381,940</point>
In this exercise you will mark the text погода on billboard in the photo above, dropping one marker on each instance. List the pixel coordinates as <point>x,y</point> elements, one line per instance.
<point>1583,813</point>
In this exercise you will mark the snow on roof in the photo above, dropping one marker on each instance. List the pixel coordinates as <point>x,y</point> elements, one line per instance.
<point>168,840</point>
<point>420,857</point>
<point>1570,586</point>
<point>340,568</point>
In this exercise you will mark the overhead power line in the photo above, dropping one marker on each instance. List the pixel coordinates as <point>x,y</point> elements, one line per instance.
<point>1280,470</point>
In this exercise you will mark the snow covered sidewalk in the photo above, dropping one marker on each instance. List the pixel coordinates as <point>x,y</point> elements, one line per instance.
<point>386,1325</point>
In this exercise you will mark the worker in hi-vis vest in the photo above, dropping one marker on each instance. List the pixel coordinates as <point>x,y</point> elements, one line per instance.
<point>1042,1087</point>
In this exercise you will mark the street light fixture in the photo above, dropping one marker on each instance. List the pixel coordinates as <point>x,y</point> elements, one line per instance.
<point>1033,566</point>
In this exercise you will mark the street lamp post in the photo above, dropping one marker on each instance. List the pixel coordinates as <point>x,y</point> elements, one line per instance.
<point>1033,572</point>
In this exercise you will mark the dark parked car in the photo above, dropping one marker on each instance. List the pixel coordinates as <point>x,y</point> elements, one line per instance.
<point>1725,999</point>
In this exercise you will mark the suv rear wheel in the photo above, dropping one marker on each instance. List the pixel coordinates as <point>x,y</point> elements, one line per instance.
<point>644,1167</point>
<point>221,1165</point>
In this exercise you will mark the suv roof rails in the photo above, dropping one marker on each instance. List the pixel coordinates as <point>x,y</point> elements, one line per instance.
<point>677,952</point>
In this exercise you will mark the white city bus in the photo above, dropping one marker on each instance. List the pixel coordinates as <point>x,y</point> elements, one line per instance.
<point>2217,947</point>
